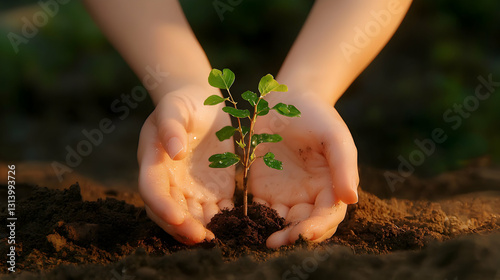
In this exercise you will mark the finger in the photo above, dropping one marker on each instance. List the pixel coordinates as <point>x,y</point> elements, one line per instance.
<point>195,209</point>
<point>209,211</point>
<point>209,236</point>
<point>172,121</point>
<point>342,156</point>
<point>325,236</point>
<point>278,238</point>
<point>299,212</point>
<point>321,224</point>
<point>189,232</point>
<point>281,209</point>
<point>179,197</point>
<point>154,184</point>
<point>261,201</point>
<point>323,219</point>
<point>226,204</point>
<point>296,214</point>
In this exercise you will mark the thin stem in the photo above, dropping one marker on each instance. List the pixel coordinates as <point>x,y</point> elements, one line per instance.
<point>245,192</point>
<point>246,158</point>
<point>239,122</point>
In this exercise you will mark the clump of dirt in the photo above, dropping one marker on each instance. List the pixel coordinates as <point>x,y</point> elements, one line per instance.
<point>236,230</point>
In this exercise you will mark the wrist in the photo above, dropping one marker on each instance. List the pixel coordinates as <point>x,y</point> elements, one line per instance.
<point>308,86</point>
<point>192,90</point>
<point>297,93</point>
<point>197,88</point>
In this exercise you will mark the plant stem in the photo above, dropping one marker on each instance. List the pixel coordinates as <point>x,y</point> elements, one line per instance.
<point>239,122</point>
<point>245,192</point>
<point>246,163</point>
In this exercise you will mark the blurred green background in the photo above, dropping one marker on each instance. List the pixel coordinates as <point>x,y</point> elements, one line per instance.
<point>67,76</point>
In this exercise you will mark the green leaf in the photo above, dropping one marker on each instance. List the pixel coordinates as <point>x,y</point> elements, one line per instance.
<point>281,88</point>
<point>222,80</point>
<point>225,133</point>
<point>271,162</point>
<point>262,107</point>
<point>287,110</point>
<point>245,130</point>
<point>237,113</point>
<point>241,144</point>
<point>265,138</point>
<point>223,160</point>
<point>251,97</point>
<point>268,84</point>
<point>214,100</point>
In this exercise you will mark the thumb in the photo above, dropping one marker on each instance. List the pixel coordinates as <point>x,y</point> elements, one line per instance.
<point>342,156</point>
<point>171,121</point>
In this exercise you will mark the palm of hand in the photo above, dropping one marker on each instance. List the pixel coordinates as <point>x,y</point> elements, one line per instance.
<point>183,195</point>
<point>317,178</point>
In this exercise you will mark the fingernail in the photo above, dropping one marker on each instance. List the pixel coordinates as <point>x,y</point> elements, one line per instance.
<point>307,235</point>
<point>209,236</point>
<point>174,147</point>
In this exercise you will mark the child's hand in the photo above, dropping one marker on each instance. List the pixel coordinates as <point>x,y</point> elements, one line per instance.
<point>181,193</point>
<point>319,176</point>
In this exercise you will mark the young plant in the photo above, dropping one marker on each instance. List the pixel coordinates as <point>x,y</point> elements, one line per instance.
<point>249,141</point>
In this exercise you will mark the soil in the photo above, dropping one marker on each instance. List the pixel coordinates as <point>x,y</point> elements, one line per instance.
<point>249,231</point>
<point>59,235</point>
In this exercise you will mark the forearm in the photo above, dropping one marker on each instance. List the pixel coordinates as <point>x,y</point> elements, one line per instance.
<point>338,41</point>
<point>153,36</point>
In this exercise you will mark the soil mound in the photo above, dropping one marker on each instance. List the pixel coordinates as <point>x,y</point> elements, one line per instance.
<point>235,230</point>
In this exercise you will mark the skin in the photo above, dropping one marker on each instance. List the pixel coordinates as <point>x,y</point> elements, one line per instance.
<point>180,192</point>
<point>320,173</point>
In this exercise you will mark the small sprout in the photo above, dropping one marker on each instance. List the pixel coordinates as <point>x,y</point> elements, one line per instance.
<point>245,130</point>
<point>249,141</point>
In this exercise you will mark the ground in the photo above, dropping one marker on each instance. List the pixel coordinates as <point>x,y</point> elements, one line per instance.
<point>446,227</point>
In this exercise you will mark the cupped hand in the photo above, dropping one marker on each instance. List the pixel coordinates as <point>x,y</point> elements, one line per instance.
<point>181,193</point>
<point>319,176</point>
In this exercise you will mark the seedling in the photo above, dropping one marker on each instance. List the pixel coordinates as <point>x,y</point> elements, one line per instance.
<point>249,141</point>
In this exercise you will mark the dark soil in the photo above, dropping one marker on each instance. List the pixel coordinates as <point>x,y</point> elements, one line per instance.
<point>236,230</point>
<point>59,235</point>
<point>58,227</point>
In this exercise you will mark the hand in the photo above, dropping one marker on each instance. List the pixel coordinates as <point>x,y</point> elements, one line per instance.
<point>319,176</point>
<point>181,193</point>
